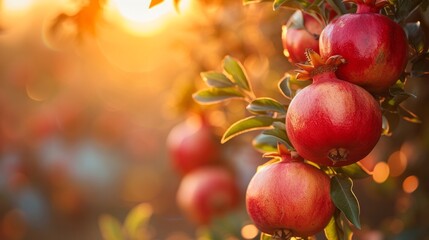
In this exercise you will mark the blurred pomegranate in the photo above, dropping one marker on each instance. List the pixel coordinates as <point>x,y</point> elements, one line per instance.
<point>206,193</point>
<point>192,144</point>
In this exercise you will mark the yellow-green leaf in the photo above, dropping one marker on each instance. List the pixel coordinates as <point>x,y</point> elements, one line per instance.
<point>137,220</point>
<point>236,70</point>
<point>344,198</point>
<point>110,228</point>
<point>216,95</point>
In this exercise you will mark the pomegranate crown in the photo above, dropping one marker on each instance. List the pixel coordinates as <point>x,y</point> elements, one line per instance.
<point>317,65</point>
<point>374,5</point>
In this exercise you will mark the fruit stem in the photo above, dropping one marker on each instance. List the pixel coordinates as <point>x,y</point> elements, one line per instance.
<point>282,234</point>
<point>338,155</point>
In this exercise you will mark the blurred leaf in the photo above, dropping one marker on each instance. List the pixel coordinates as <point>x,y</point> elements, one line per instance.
<point>137,220</point>
<point>408,115</point>
<point>215,95</point>
<point>331,230</point>
<point>265,236</point>
<point>296,21</point>
<point>177,5</point>
<point>421,65</point>
<point>216,79</point>
<point>338,6</point>
<point>390,121</point>
<point>265,105</point>
<point>404,8</point>
<point>245,2</point>
<point>245,125</point>
<point>155,2</point>
<point>344,199</point>
<point>236,70</point>
<point>110,228</point>
<point>354,171</point>
<point>284,87</point>
<point>265,143</point>
<point>416,37</point>
<point>289,3</point>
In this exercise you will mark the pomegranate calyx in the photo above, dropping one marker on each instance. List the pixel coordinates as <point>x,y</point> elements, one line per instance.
<point>368,6</point>
<point>317,65</point>
<point>338,155</point>
<point>282,234</point>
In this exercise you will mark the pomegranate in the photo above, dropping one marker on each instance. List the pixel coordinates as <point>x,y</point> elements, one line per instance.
<point>300,32</point>
<point>206,193</point>
<point>374,46</point>
<point>192,144</point>
<point>332,122</point>
<point>289,198</point>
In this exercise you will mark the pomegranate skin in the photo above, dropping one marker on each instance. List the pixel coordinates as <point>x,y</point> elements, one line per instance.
<point>333,122</point>
<point>192,144</point>
<point>290,196</point>
<point>206,193</point>
<point>296,40</point>
<point>374,46</point>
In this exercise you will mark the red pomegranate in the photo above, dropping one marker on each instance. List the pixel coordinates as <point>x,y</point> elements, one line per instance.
<point>192,144</point>
<point>300,32</point>
<point>206,193</point>
<point>332,122</point>
<point>374,46</point>
<point>289,198</point>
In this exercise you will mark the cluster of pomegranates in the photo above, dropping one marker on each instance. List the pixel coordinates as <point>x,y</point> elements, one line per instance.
<point>207,189</point>
<point>333,122</point>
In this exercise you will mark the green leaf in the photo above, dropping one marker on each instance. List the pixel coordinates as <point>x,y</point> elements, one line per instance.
<point>416,37</point>
<point>245,125</point>
<point>331,230</point>
<point>110,228</point>
<point>338,6</point>
<point>354,171</point>
<point>265,143</point>
<point>344,199</point>
<point>236,70</point>
<point>280,135</point>
<point>265,105</point>
<point>216,79</point>
<point>137,220</point>
<point>215,95</point>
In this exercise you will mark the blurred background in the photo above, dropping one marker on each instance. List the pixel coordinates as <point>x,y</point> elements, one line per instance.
<point>89,91</point>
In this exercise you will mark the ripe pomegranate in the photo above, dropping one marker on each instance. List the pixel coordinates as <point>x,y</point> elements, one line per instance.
<point>374,46</point>
<point>206,193</point>
<point>332,122</point>
<point>300,32</point>
<point>192,144</point>
<point>289,198</point>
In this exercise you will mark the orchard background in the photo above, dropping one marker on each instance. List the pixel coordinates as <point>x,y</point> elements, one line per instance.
<point>91,90</point>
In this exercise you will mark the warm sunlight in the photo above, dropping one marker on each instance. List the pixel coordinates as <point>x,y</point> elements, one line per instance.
<point>16,5</point>
<point>140,19</point>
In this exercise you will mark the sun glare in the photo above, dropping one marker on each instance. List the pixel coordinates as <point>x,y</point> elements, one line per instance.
<point>16,5</point>
<point>140,19</point>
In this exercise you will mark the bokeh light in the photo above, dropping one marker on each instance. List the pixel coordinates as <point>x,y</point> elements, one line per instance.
<point>397,163</point>
<point>381,172</point>
<point>410,184</point>
<point>249,231</point>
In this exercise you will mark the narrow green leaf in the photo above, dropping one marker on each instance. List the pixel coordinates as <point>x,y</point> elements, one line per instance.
<point>137,220</point>
<point>110,228</point>
<point>265,105</point>
<point>265,143</point>
<point>294,4</point>
<point>245,125</point>
<point>354,171</point>
<point>331,231</point>
<point>344,199</point>
<point>284,87</point>
<point>216,79</point>
<point>215,95</point>
<point>236,70</point>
